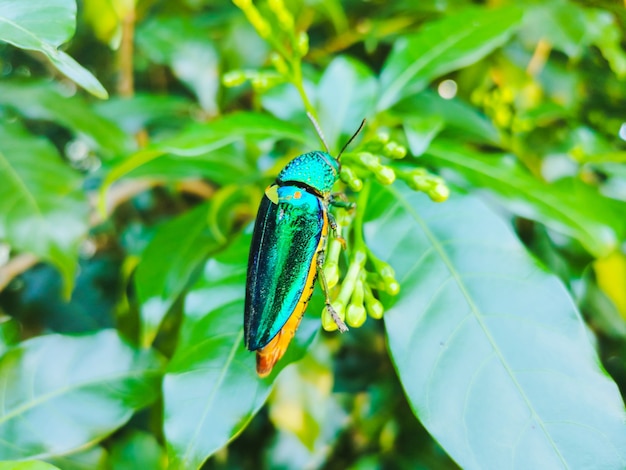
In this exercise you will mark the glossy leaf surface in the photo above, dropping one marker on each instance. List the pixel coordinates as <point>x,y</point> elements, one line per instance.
<point>493,355</point>
<point>43,25</point>
<point>61,393</point>
<point>211,390</point>
<point>562,207</point>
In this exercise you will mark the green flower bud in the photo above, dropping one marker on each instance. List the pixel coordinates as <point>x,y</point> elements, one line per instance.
<point>279,63</point>
<point>388,274</point>
<point>382,137</point>
<point>254,17</point>
<point>331,272</point>
<point>349,177</point>
<point>398,152</point>
<point>439,193</point>
<point>356,315</point>
<point>260,83</point>
<point>302,43</point>
<point>372,304</point>
<point>385,175</point>
<point>234,78</point>
<point>369,161</point>
<point>374,308</point>
<point>327,321</point>
<point>284,16</point>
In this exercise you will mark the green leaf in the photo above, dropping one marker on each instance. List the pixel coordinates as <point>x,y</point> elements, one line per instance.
<point>42,208</point>
<point>9,333</point>
<point>211,390</point>
<point>203,139</point>
<point>43,25</point>
<point>187,240</point>
<point>182,44</point>
<point>420,131</point>
<point>346,94</point>
<point>573,209</point>
<point>459,118</point>
<point>451,43</point>
<point>26,465</point>
<point>62,393</point>
<point>142,110</point>
<point>44,100</point>
<point>490,349</point>
<point>93,458</point>
<point>137,448</point>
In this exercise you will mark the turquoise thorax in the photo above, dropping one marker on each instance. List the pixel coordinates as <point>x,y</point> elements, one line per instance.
<point>317,170</point>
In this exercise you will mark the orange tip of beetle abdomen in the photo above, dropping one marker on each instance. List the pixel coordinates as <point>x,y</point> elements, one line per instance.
<point>270,354</point>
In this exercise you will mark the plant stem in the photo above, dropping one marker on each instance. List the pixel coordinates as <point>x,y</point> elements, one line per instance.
<point>125,85</point>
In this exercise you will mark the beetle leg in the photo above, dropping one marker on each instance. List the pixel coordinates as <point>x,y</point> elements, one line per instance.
<point>340,200</point>
<point>333,226</point>
<point>320,271</point>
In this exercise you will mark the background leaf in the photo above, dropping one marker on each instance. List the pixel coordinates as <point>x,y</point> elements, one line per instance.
<point>454,42</point>
<point>345,95</point>
<point>597,226</point>
<point>61,393</point>
<point>479,330</point>
<point>186,241</point>
<point>42,25</point>
<point>42,209</point>
<point>211,390</point>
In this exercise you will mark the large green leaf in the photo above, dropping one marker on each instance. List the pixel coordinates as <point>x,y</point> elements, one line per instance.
<point>43,25</point>
<point>211,390</point>
<point>44,100</point>
<point>459,118</point>
<point>198,144</point>
<point>346,94</point>
<point>490,349</point>
<point>572,207</point>
<point>42,208</point>
<point>93,458</point>
<point>187,240</point>
<point>448,44</point>
<point>61,393</point>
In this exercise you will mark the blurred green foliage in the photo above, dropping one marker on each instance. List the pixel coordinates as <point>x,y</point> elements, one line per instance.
<point>125,228</point>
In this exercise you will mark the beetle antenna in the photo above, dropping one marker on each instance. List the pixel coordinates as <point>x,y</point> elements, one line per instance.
<point>351,138</point>
<point>318,129</point>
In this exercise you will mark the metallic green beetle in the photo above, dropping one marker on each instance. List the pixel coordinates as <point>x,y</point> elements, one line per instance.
<point>286,253</point>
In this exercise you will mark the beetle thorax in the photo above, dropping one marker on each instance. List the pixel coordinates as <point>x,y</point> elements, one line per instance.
<point>317,170</point>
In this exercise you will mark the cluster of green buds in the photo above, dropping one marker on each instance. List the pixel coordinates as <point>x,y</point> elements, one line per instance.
<point>261,80</point>
<point>367,160</point>
<point>277,27</point>
<point>355,298</point>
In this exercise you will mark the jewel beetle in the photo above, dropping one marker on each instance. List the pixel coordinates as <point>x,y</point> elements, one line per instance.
<point>287,252</point>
